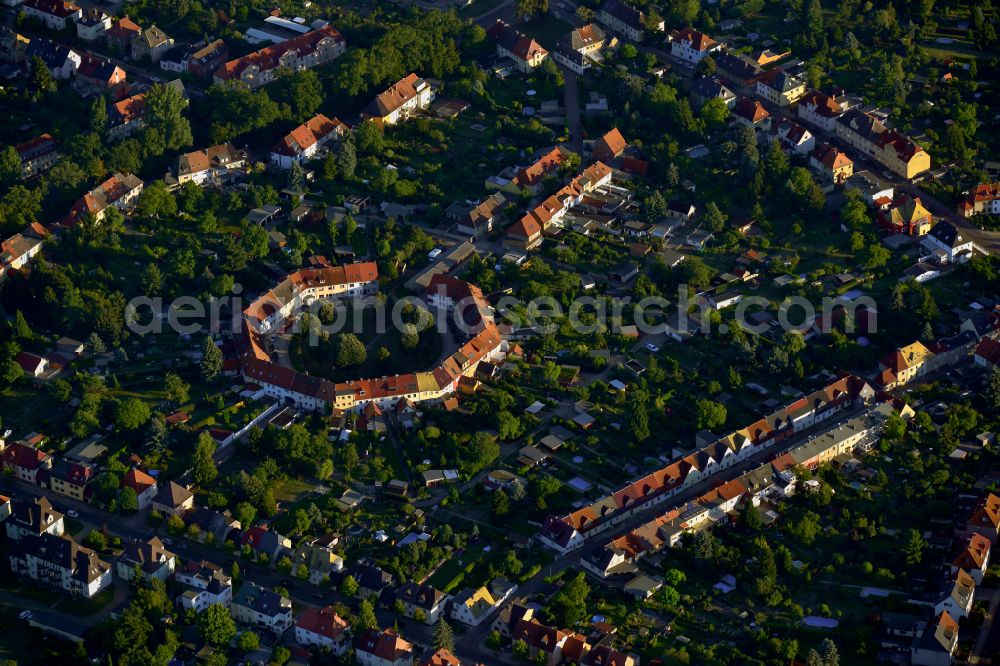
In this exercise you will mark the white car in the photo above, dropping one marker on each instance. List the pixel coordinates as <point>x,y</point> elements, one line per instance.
<point>25,614</point>
<point>652,348</point>
<point>73,513</point>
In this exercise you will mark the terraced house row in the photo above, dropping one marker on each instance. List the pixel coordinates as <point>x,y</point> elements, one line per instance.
<point>774,478</point>
<point>566,533</point>
<point>268,314</point>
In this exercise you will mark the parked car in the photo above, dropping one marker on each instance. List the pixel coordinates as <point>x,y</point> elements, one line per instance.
<point>73,513</point>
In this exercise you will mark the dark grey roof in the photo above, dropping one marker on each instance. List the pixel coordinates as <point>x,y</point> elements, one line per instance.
<point>947,233</point>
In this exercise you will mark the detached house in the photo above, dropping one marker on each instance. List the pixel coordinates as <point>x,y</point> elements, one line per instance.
<point>947,244</point>
<point>303,142</point>
<point>60,562</point>
<point>609,146</point>
<point>479,219</point>
<point>143,484</point>
<point>173,500</point>
<point>151,42</point>
<point>906,215</point>
<point>382,648</point>
<point>120,191</point>
<point>794,137</point>
<point>262,609</point>
<point>780,87</point>
<point>99,75</point>
<point>26,461</point>
<point>93,24</point>
<point>750,112</point>
<point>832,163</point>
<point>624,19</point>
<point>903,366</point>
<point>265,541</point>
<point>736,67</point>
<point>526,53</point>
<point>319,558</point>
<point>325,629</point>
<point>122,33</point>
<point>421,600</point>
<point>402,99</point>
<point>207,59</point>
<point>205,585</point>
<point>72,479</point>
<point>709,88</point>
<point>471,607</point>
<point>62,61</point>
<point>576,49</point>
<point>211,166</point>
<point>820,110</point>
<point>126,116</point>
<point>54,14</point>
<point>33,518</point>
<point>691,46</point>
<point>149,558</point>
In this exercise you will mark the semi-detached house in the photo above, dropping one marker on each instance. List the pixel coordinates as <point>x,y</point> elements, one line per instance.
<point>526,53</point>
<point>303,142</point>
<point>888,147</point>
<point>691,46</point>
<point>303,52</point>
<point>323,628</point>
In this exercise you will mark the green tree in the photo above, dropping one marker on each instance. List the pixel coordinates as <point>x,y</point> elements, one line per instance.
<point>157,201</point>
<point>217,625</point>
<point>444,638</point>
<point>175,388</point>
<point>714,218</point>
<point>42,81</point>
<point>639,421</point>
<point>302,90</point>
<point>913,548</point>
<point>347,159</point>
<point>211,360</point>
<point>569,605</point>
<point>99,115</point>
<point>203,467</point>
<point>164,114</point>
<point>366,616</point>
<point>529,9</point>
<point>10,166</point>
<point>152,280</point>
<point>247,642</point>
<point>499,503</point>
<point>350,350</point>
<point>132,414</point>
<point>349,586</point>
<point>709,414</point>
<point>714,112</point>
<point>96,540</point>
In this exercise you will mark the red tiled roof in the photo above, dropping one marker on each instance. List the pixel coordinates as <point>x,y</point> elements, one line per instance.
<point>323,621</point>
<point>269,58</point>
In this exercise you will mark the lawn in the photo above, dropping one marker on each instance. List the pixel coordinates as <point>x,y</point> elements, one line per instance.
<point>547,30</point>
<point>319,360</point>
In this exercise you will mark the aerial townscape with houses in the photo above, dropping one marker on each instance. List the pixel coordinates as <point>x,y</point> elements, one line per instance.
<point>500,332</point>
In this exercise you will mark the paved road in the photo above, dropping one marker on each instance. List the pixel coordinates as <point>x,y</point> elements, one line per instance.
<point>504,12</point>
<point>979,651</point>
<point>571,99</point>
